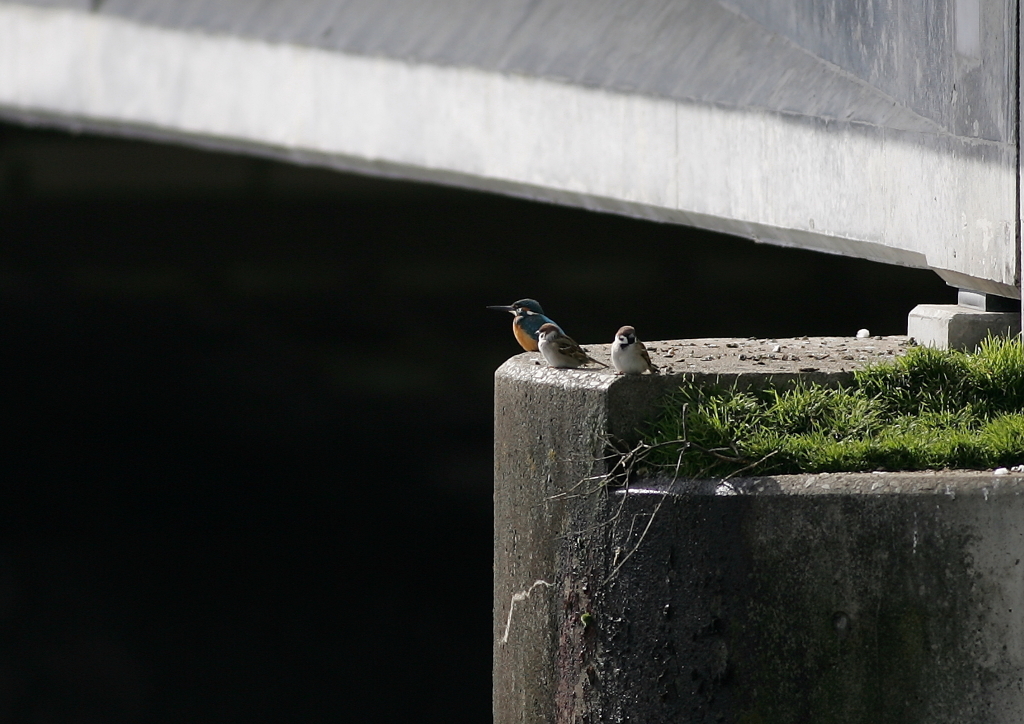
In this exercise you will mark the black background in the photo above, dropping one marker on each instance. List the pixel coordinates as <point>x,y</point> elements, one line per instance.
<point>246,473</point>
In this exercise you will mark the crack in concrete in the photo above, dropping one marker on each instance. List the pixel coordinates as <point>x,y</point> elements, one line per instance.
<point>521,596</point>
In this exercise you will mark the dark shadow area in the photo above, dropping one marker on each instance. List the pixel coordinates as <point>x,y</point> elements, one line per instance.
<point>247,472</point>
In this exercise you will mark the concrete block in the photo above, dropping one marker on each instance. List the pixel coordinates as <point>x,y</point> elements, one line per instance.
<point>986,302</point>
<point>841,598</point>
<point>951,326</point>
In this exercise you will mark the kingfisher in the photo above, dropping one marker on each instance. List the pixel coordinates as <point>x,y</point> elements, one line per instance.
<point>529,318</point>
<point>560,350</point>
<point>629,356</point>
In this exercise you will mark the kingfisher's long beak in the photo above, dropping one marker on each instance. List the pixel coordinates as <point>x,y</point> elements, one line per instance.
<point>504,308</point>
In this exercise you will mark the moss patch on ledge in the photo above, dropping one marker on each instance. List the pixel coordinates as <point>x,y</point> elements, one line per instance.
<point>927,410</point>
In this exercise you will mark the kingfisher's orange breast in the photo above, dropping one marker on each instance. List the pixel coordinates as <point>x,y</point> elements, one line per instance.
<point>523,337</point>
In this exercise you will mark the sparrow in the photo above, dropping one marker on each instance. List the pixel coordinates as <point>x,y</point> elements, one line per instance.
<point>629,356</point>
<point>560,350</point>
<point>528,320</point>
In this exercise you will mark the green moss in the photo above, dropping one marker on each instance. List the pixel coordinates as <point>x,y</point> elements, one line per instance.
<point>930,409</point>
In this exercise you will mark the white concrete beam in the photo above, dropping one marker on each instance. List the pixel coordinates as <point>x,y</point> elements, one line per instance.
<point>914,196</point>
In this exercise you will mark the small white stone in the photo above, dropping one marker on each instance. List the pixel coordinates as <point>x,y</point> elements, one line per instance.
<point>863,334</point>
<point>1001,471</point>
<point>776,347</point>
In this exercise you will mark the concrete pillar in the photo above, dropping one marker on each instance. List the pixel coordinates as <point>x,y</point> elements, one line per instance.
<point>840,598</point>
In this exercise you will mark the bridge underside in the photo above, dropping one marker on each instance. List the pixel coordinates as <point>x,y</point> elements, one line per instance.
<point>887,134</point>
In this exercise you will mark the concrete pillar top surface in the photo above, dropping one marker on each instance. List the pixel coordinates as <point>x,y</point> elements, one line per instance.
<point>727,357</point>
<point>632,400</point>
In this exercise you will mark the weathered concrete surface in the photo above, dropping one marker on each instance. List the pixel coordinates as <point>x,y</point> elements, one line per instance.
<point>841,598</point>
<point>832,598</point>
<point>882,131</point>
<point>714,356</point>
<point>952,326</point>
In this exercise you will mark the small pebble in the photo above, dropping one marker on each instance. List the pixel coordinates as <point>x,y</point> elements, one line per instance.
<point>776,348</point>
<point>863,334</point>
<point>1001,471</point>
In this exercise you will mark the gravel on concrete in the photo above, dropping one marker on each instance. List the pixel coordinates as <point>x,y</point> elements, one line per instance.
<point>728,355</point>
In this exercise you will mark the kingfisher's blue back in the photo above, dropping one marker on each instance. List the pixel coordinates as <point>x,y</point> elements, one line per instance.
<point>529,317</point>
